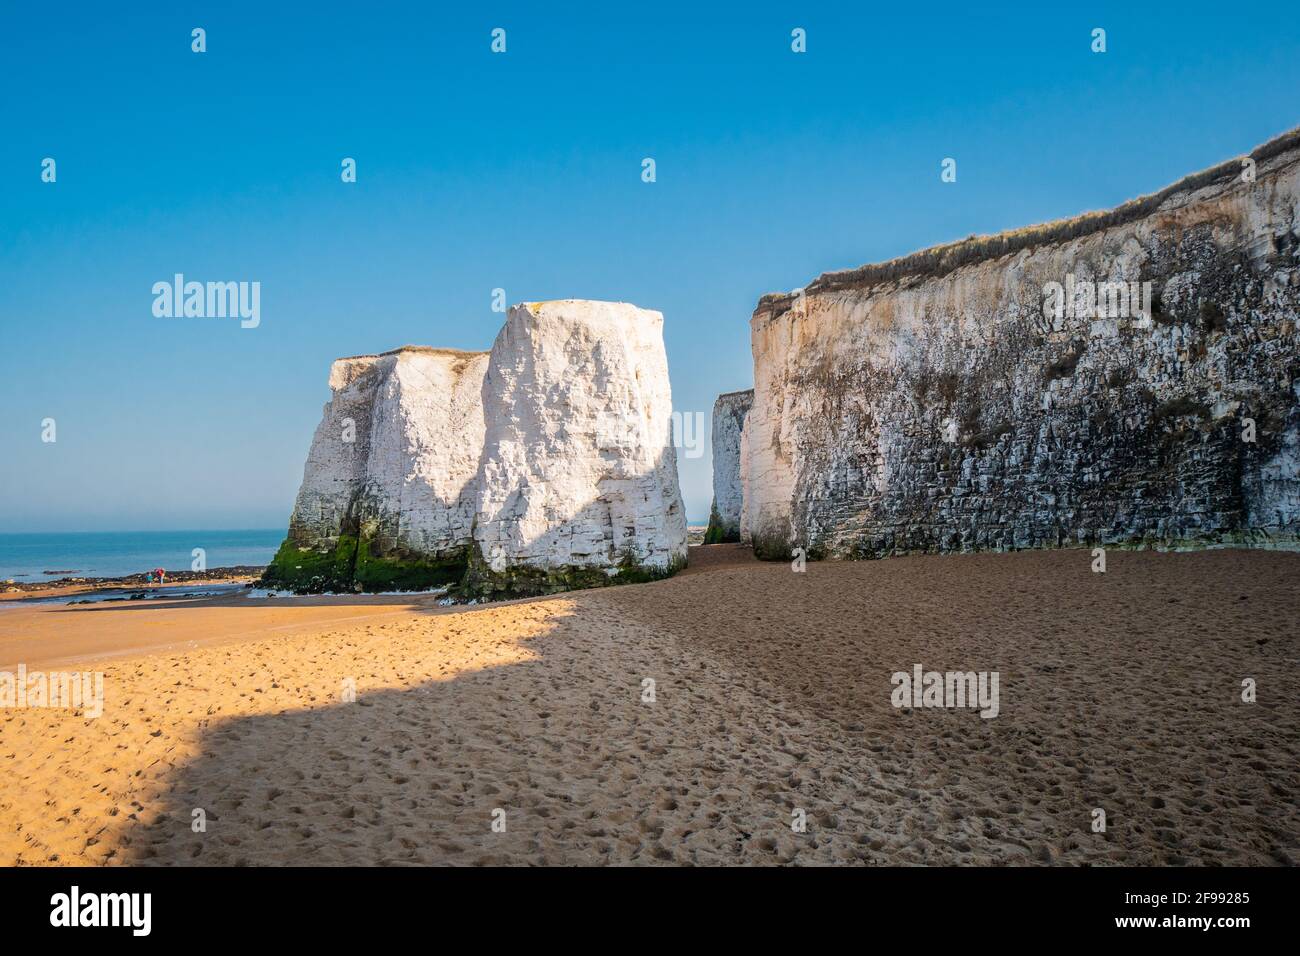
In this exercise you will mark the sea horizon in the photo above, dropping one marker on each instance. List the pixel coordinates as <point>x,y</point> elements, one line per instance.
<point>32,556</point>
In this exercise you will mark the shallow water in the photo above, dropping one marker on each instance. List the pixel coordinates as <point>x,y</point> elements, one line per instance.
<point>109,554</point>
<point>125,594</point>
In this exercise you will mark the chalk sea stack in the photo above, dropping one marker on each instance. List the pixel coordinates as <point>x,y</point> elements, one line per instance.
<point>579,475</point>
<point>388,496</point>
<point>936,403</point>
<point>730,412</point>
<point>543,465</point>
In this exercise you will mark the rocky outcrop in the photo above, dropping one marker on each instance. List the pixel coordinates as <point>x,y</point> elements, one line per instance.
<point>746,536</point>
<point>419,495</point>
<point>730,412</point>
<point>542,465</point>
<point>1008,392</point>
<point>579,479</point>
<point>389,494</point>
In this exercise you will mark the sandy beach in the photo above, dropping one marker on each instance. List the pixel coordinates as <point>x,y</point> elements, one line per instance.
<point>771,696</point>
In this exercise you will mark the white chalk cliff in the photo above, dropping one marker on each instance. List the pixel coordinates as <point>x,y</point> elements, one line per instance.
<point>419,494</point>
<point>398,447</point>
<point>730,413</point>
<point>547,463</point>
<point>581,473</point>
<point>939,402</point>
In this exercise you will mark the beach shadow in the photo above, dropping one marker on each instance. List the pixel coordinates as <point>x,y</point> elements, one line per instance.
<point>1119,691</point>
<point>529,729</point>
<point>773,695</point>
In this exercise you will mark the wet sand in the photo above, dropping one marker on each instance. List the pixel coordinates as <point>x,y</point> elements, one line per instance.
<point>772,696</point>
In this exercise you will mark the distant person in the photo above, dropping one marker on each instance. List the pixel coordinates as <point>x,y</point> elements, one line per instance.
<point>161,574</point>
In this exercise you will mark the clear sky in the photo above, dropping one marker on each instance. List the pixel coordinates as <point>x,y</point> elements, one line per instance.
<point>521,171</point>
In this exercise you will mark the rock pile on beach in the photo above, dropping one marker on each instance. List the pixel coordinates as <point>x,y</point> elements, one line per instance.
<point>141,579</point>
<point>542,465</point>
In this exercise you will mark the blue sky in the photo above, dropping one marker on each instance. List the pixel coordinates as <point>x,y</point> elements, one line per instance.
<point>520,171</point>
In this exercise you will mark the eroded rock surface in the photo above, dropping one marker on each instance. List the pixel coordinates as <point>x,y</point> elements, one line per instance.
<point>730,412</point>
<point>545,464</point>
<point>426,439</point>
<point>939,403</point>
<point>579,474</point>
<point>388,493</point>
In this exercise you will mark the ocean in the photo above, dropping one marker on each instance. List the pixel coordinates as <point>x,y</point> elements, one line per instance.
<point>110,554</point>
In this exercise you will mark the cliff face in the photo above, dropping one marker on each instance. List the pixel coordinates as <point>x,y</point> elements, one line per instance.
<point>730,412</point>
<point>388,493</point>
<point>340,450</point>
<point>425,439</point>
<point>973,397</point>
<point>580,478</point>
<point>542,465</point>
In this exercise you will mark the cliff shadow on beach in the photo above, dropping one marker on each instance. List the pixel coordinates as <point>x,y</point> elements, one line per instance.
<point>771,697</point>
